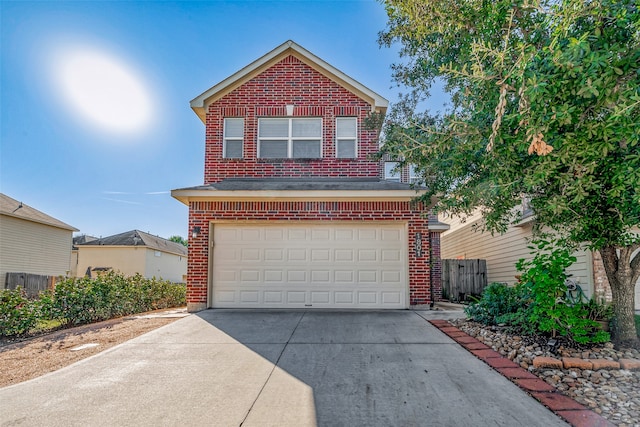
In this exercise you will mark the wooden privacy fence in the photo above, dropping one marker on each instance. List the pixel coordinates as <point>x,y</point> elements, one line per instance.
<point>463,277</point>
<point>31,283</point>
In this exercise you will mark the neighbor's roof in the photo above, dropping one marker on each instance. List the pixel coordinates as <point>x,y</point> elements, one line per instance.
<point>201,102</point>
<point>139,238</point>
<point>299,189</point>
<point>13,208</point>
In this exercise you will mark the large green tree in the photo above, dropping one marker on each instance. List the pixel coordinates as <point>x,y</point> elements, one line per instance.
<point>544,104</point>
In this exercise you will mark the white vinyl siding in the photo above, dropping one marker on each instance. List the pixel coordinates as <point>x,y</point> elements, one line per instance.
<point>299,138</point>
<point>339,265</point>
<point>346,137</point>
<point>31,247</point>
<point>131,260</point>
<point>233,138</point>
<point>502,252</point>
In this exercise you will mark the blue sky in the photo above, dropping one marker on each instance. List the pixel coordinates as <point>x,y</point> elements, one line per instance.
<point>96,127</point>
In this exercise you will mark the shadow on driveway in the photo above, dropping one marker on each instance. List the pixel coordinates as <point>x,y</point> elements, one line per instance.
<point>278,368</point>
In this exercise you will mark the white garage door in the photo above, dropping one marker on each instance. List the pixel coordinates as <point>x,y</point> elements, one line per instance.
<point>355,265</point>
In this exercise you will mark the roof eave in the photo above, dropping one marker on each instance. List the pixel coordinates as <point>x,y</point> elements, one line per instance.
<point>193,195</point>
<point>200,103</point>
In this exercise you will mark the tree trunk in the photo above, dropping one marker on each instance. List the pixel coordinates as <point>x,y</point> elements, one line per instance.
<point>622,278</point>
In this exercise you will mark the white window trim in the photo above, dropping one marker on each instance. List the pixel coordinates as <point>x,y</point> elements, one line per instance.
<point>290,137</point>
<point>233,138</point>
<point>347,139</point>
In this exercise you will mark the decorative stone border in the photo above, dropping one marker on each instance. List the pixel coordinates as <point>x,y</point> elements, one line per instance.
<point>591,364</point>
<point>568,409</point>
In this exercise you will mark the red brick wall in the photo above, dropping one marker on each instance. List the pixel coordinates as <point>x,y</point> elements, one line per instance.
<point>289,81</point>
<point>601,286</point>
<point>202,213</point>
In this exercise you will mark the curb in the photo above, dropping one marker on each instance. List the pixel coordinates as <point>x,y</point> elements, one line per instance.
<point>566,408</point>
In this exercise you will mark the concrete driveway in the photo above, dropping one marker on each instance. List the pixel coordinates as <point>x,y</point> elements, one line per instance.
<point>279,368</point>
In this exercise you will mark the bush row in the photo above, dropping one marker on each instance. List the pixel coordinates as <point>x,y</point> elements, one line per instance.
<point>538,303</point>
<point>77,301</point>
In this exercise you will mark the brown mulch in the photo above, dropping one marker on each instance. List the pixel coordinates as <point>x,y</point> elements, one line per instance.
<point>25,359</point>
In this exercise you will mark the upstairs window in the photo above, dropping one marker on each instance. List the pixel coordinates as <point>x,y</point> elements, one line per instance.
<point>282,138</point>
<point>233,138</point>
<point>391,171</point>
<point>346,137</point>
<point>414,176</point>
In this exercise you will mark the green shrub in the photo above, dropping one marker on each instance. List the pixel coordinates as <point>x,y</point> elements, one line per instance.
<point>112,295</point>
<point>18,314</point>
<point>550,312</point>
<point>497,301</point>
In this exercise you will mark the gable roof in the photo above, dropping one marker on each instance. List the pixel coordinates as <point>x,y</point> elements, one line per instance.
<point>13,208</point>
<point>139,238</point>
<point>202,102</point>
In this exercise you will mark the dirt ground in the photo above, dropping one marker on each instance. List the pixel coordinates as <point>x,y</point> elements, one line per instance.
<point>22,360</point>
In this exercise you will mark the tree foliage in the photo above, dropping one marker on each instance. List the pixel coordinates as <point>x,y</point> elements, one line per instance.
<point>545,104</point>
<point>178,239</point>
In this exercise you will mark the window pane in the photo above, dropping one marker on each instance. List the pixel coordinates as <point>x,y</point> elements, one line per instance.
<point>306,128</point>
<point>390,171</point>
<point>233,128</point>
<point>233,149</point>
<point>306,149</point>
<point>346,148</point>
<point>346,128</point>
<point>270,128</point>
<point>276,149</point>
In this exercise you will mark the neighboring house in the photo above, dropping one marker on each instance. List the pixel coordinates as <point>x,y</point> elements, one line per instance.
<point>130,253</point>
<point>31,241</point>
<point>78,240</point>
<point>502,251</point>
<point>293,212</point>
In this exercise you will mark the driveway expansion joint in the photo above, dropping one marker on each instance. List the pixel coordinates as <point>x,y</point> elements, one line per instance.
<point>563,406</point>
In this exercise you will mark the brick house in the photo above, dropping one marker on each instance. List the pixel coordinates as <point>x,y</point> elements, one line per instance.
<point>294,211</point>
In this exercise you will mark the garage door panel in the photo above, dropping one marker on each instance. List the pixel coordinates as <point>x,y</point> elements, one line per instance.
<point>343,298</point>
<point>320,297</point>
<point>365,255</point>
<point>367,276</point>
<point>273,276</point>
<point>296,255</point>
<point>391,297</point>
<point>322,265</point>
<point>250,276</point>
<point>320,255</point>
<point>344,276</point>
<point>343,234</point>
<point>249,296</point>
<point>296,297</point>
<point>343,255</point>
<point>298,276</point>
<point>320,276</point>
<point>250,254</point>
<point>367,234</point>
<point>273,297</point>
<point>391,255</point>
<point>321,235</point>
<point>367,298</point>
<point>274,254</point>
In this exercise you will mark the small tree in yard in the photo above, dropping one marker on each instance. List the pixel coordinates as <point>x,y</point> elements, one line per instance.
<point>545,104</point>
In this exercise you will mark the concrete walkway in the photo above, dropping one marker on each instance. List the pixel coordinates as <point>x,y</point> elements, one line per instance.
<point>273,368</point>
